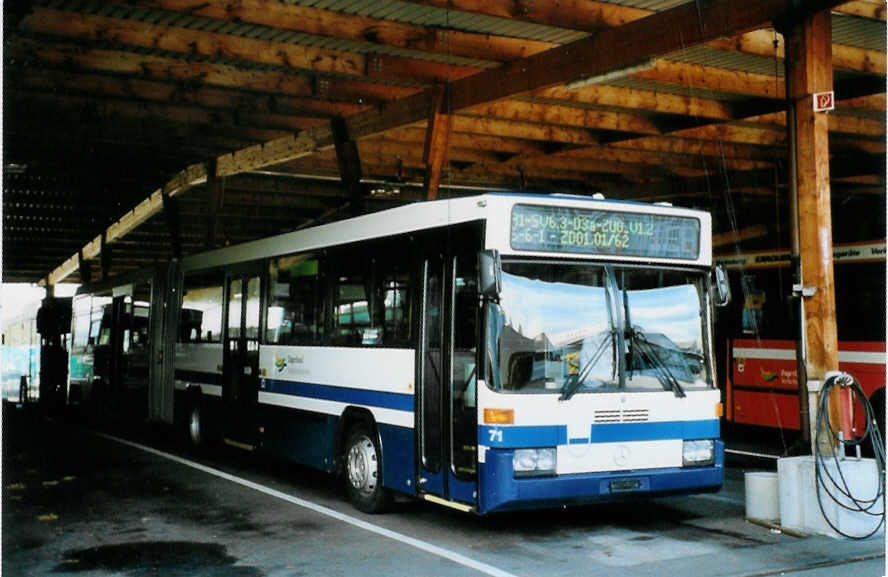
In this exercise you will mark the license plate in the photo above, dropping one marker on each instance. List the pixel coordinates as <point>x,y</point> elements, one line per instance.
<point>623,485</point>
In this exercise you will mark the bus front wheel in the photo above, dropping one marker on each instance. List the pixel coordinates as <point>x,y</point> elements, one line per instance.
<point>363,470</point>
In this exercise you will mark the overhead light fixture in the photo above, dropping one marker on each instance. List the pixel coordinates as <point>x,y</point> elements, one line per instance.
<point>385,191</point>
<point>612,75</point>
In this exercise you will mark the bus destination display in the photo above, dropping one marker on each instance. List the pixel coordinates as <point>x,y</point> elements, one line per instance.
<point>604,232</point>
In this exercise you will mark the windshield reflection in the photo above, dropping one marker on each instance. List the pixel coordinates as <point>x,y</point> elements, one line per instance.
<point>579,328</point>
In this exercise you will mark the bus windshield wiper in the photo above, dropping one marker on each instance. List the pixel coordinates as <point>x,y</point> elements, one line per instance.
<point>664,374</point>
<point>571,386</point>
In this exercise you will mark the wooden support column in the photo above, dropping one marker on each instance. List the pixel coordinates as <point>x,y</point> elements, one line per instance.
<point>810,72</point>
<point>171,212</point>
<point>214,200</point>
<point>349,163</point>
<point>84,268</point>
<point>105,257</point>
<point>437,141</point>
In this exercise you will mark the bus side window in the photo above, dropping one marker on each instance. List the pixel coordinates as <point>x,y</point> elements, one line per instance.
<point>201,312</point>
<point>392,297</point>
<point>295,313</point>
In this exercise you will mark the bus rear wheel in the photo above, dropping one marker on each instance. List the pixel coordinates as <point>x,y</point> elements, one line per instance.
<point>200,433</point>
<point>363,470</point>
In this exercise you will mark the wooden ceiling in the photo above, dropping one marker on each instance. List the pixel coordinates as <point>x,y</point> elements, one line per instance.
<point>273,115</point>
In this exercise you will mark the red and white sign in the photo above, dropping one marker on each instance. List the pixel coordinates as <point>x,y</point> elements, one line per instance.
<point>824,101</point>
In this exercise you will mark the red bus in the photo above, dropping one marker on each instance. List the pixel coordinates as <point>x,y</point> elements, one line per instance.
<point>761,380</point>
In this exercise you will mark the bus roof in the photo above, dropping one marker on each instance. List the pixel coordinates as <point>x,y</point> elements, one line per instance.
<point>423,216</point>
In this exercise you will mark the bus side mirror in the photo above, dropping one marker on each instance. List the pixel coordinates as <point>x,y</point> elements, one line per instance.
<point>722,286</point>
<point>490,272</point>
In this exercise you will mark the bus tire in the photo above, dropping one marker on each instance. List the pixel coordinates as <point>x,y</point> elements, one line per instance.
<point>363,470</point>
<point>199,432</point>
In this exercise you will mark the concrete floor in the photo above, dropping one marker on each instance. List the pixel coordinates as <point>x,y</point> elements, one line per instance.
<point>75,503</point>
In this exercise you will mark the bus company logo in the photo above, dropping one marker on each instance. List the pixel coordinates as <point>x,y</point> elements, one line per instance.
<point>767,376</point>
<point>280,363</point>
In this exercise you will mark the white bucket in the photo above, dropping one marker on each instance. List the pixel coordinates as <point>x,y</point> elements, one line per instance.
<point>762,497</point>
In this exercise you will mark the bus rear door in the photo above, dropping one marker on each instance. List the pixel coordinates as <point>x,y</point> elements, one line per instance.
<point>241,360</point>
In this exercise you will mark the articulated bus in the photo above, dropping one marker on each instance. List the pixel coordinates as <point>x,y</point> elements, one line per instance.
<point>487,353</point>
<point>760,329</point>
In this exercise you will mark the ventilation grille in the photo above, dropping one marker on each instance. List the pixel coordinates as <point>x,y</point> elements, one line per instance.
<point>621,416</point>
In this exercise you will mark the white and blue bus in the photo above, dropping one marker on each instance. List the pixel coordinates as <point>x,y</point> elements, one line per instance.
<point>488,353</point>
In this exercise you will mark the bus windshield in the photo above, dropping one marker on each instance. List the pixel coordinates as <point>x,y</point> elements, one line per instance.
<point>578,328</point>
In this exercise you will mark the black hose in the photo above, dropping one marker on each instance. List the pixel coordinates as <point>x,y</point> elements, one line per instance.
<point>825,481</point>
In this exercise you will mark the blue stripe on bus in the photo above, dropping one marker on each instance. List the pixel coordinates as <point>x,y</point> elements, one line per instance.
<point>518,436</point>
<point>380,399</point>
<point>623,432</point>
<point>552,435</point>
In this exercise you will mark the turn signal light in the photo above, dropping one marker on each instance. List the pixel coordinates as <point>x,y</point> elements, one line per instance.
<point>719,410</point>
<point>499,416</point>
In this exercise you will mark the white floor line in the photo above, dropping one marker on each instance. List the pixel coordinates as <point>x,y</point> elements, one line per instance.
<point>417,543</point>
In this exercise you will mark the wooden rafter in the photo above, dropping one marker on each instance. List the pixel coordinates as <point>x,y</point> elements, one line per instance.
<point>320,22</point>
<point>437,141</point>
<point>611,49</point>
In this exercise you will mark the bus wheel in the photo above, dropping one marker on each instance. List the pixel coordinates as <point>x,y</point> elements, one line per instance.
<point>197,427</point>
<point>363,470</point>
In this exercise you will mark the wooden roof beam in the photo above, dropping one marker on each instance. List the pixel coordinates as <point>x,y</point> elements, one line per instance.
<point>761,43</point>
<point>587,15</point>
<point>76,57</point>
<point>437,142</point>
<point>58,81</point>
<point>591,16</point>
<point>250,126</point>
<point>873,9</point>
<point>186,41</point>
<point>355,27</point>
<point>610,50</point>
<point>715,79</point>
<point>348,160</point>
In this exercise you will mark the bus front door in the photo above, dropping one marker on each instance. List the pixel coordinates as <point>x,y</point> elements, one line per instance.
<point>241,362</point>
<point>446,415</point>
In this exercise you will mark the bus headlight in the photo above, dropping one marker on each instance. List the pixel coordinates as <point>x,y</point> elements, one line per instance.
<point>532,462</point>
<point>698,453</point>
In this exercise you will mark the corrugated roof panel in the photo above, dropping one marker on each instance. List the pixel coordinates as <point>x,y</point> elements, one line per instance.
<point>729,60</point>
<point>187,21</point>
<point>654,5</point>
<point>216,26</point>
<point>338,5</point>
<point>434,16</point>
<point>226,27</point>
<point>859,32</point>
<point>139,14</point>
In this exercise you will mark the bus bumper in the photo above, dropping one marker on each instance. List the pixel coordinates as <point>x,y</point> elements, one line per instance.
<point>501,491</point>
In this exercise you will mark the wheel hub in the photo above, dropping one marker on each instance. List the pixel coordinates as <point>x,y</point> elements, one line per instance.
<point>362,466</point>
